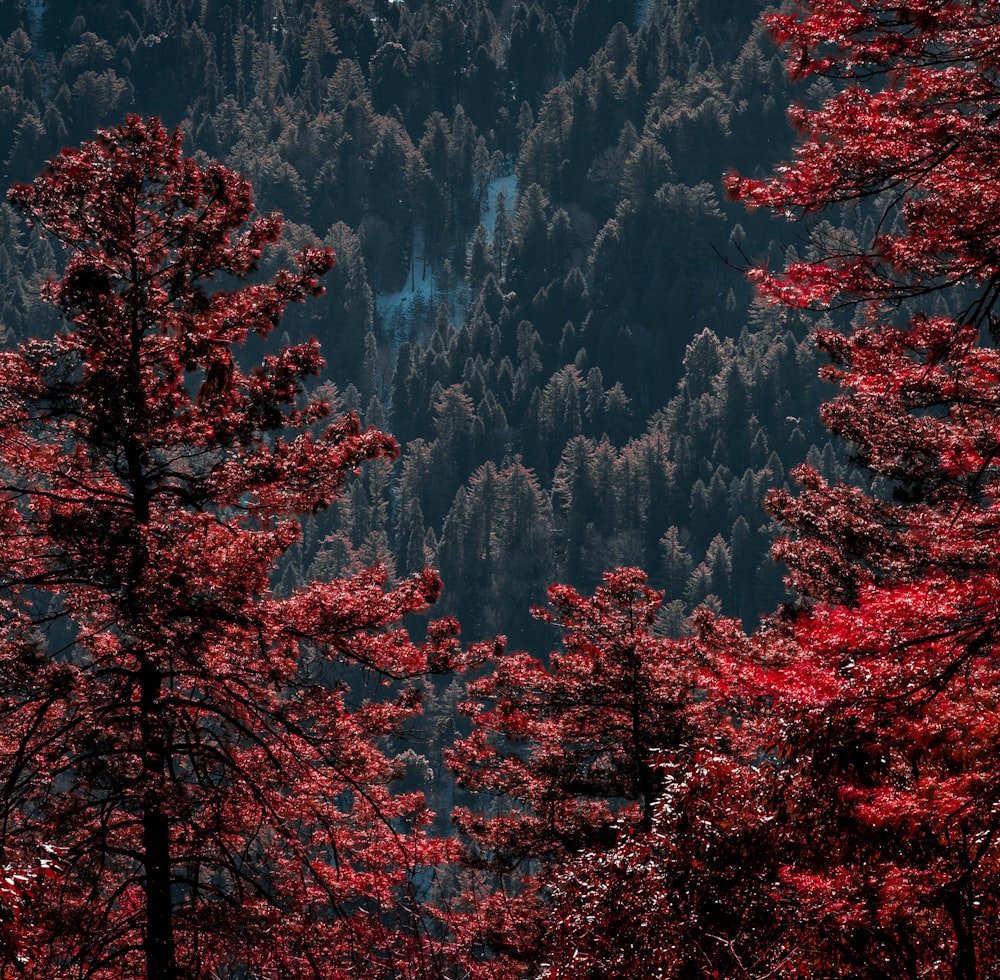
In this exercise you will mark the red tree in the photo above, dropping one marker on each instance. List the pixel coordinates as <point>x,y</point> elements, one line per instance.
<point>682,897</point>
<point>878,693</point>
<point>911,132</point>
<point>568,752</point>
<point>22,888</point>
<point>203,751</point>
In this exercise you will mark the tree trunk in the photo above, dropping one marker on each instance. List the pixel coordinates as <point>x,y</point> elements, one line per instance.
<point>965,967</point>
<point>158,942</point>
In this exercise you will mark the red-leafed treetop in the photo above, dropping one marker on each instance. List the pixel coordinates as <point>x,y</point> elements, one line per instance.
<point>876,696</point>
<point>912,130</point>
<point>573,749</point>
<point>186,737</point>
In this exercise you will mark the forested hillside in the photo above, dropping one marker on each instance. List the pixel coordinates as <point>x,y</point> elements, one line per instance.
<point>398,403</point>
<point>539,287</point>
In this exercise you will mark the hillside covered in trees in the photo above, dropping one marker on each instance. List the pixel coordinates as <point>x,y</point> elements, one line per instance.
<point>539,286</point>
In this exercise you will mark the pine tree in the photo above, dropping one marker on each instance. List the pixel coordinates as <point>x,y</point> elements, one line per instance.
<point>183,734</point>
<point>570,747</point>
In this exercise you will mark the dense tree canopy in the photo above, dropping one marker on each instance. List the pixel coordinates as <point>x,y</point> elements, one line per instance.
<point>880,689</point>
<point>486,173</point>
<point>571,749</point>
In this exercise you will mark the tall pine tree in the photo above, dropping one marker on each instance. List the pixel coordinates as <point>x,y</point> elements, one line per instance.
<point>204,752</point>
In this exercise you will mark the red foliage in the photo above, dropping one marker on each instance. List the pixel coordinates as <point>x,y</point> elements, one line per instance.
<point>570,750</point>
<point>203,751</point>
<point>824,800</point>
<point>914,122</point>
<point>682,898</point>
<point>21,888</point>
<point>878,694</point>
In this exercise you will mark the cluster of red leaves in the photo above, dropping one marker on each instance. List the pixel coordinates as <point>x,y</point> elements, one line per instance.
<point>877,695</point>
<point>569,751</point>
<point>683,897</point>
<point>21,888</point>
<point>913,127</point>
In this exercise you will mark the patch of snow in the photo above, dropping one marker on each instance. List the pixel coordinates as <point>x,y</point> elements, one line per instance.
<point>412,309</point>
<point>507,184</point>
<point>35,9</point>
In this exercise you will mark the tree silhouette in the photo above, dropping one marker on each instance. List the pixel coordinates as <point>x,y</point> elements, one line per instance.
<point>570,747</point>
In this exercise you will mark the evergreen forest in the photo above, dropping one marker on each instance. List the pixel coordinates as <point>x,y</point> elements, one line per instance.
<point>539,289</point>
